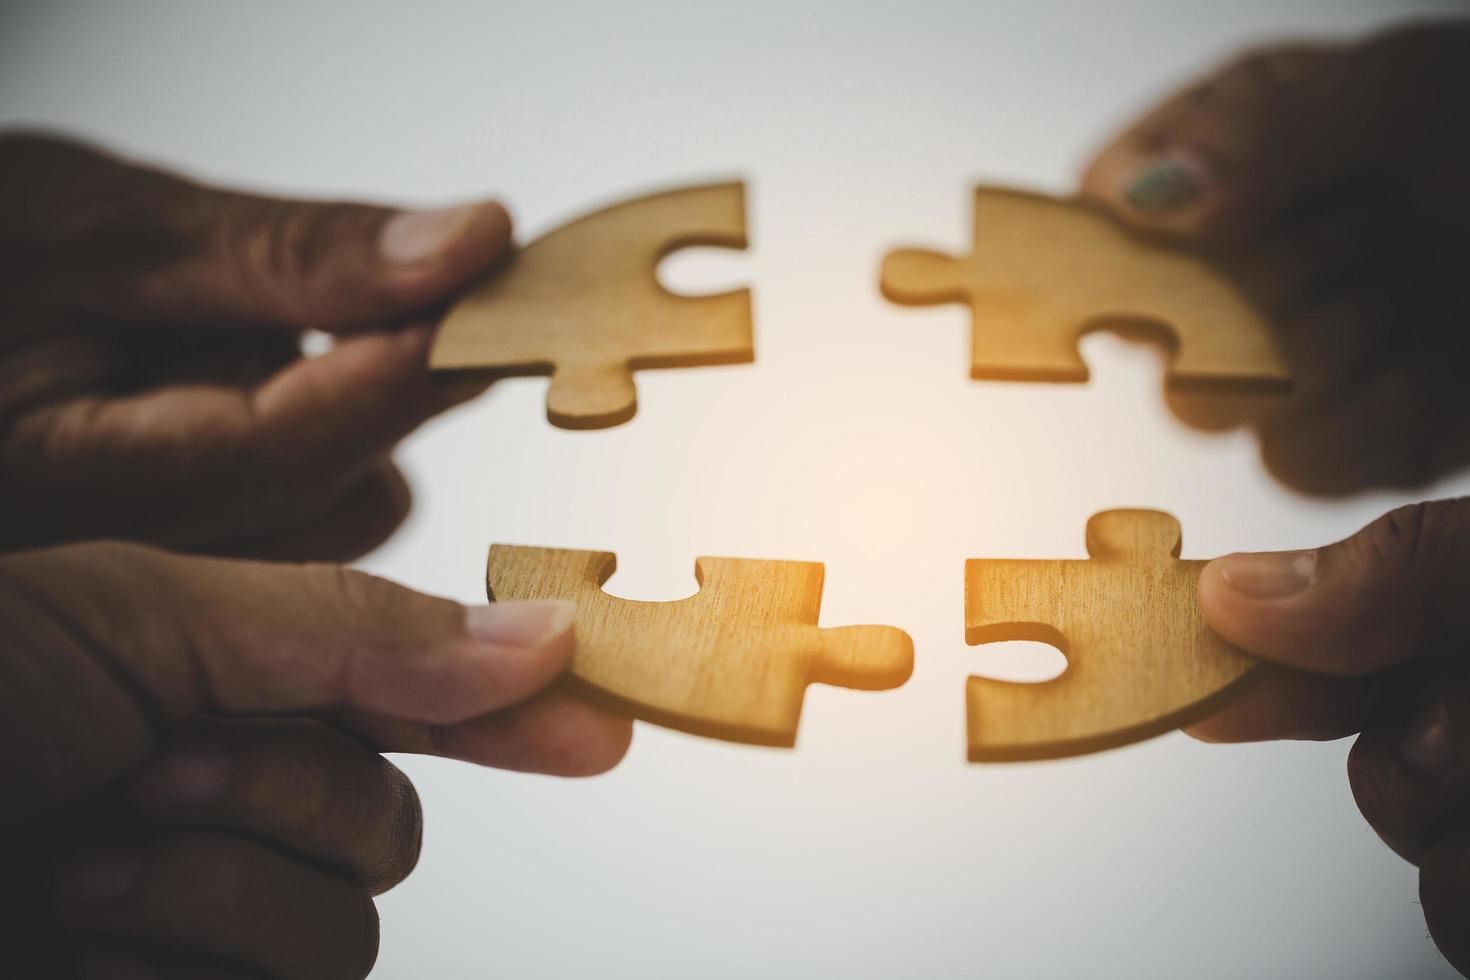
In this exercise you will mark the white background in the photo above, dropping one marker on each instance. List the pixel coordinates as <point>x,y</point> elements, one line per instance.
<point>873,849</point>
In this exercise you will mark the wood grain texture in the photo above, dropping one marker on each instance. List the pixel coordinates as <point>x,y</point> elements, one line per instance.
<point>1140,659</point>
<point>732,661</point>
<point>583,304</point>
<point>1044,271</point>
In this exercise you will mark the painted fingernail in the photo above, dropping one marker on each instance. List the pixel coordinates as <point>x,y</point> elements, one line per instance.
<point>1429,744</point>
<point>418,237</point>
<point>520,624</point>
<point>1268,575</point>
<point>99,876</point>
<point>189,779</point>
<point>1169,183</point>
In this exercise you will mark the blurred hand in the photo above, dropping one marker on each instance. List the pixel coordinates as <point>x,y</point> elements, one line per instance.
<point>151,379</point>
<point>1373,633</point>
<point>1330,181</point>
<point>189,781</point>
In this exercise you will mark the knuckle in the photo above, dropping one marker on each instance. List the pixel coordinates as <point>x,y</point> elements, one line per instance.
<point>399,612</point>
<point>287,241</point>
<point>357,593</point>
<point>1402,544</point>
<point>274,248</point>
<point>1393,565</point>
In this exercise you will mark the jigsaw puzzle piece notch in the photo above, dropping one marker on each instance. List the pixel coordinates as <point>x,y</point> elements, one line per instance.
<point>1140,659</point>
<point>1043,272</point>
<point>731,661</point>
<point>583,304</point>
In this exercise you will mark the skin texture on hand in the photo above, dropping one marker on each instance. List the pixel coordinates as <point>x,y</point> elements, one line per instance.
<point>191,782</point>
<point>1328,180</point>
<point>152,385</point>
<point>1371,635</point>
<point>190,778</point>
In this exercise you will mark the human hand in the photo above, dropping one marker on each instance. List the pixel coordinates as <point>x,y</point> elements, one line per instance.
<point>1372,634</point>
<point>152,385</point>
<point>1329,181</point>
<point>189,781</point>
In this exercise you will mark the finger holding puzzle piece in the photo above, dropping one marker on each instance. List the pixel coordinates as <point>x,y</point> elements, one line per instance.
<point>732,661</point>
<point>583,304</point>
<point>1140,659</point>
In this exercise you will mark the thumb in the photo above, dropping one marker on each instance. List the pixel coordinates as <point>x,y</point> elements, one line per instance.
<point>1224,157</point>
<point>1391,594</point>
<point>109,643</point>
<point>85,231</point>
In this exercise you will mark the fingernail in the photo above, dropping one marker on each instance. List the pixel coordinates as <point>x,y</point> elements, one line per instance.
<point>520,624</point>
<point>1268,575</point>
<point>99,876</point>
<point>417,237</point>
<point>1166,184</point>
<point>1429,745</point>
<point>187,780</point>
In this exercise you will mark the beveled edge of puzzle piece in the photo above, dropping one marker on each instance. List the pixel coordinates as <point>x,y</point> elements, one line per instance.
<point>640,711</point>
<point>1091,744</point>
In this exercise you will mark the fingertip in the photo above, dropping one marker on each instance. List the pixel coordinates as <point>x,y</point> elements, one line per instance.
<point>485,238</point>
<point>505,655</point>
<point>494,676</point>
<point>1264,603</point>
<point>1206,732</point>
<point>1104,174</point>
<point>428,254</point>
<point>1444,891</point>
<point>535,622</point>
<point>520,646</point>
<point>556,734</point>
<point>575,739</point>
<point>605,745</point>
<point>1216,597</point>
<point>1171,191</point>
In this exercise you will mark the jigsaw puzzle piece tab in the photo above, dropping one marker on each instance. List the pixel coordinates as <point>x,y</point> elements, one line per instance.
<point>732,661</point>
<point>1044,271</point>
<point>1140,659</point>
<point>583,304</point>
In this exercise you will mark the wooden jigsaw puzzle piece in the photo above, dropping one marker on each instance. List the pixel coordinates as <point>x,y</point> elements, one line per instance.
<point>1042,272</point>
<point>1140,659</point>
<point>583,303</point>
<point>732,661</point>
